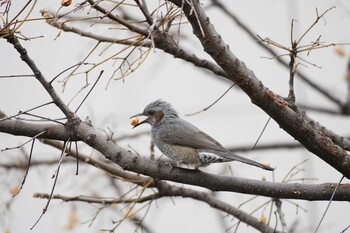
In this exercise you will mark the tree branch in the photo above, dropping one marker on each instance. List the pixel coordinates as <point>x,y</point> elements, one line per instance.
<point>167,190</point>
<point>28,129</point>
<point>289,119</point>
<point>171,190</point>
<point>97,200</point>
<point>132,162</point>
<point>52,21</point>
<point>162,171</point>
<point>300,74</point>
<point>11,38</point>
<point>117,19</point>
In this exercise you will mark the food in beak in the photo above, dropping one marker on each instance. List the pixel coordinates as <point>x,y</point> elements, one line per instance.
<point>134,121</point>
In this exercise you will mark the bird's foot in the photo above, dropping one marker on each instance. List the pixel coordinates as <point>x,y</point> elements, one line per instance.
<point>170,164</point>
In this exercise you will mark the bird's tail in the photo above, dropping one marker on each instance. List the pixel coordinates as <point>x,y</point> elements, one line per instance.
<point>238,158</point>
<point>229,156</point>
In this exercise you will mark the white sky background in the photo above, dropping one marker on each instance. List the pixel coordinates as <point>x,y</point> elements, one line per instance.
<point>234,121</point>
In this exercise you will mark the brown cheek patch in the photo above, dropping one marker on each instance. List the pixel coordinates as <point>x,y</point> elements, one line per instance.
<point>158,115</point>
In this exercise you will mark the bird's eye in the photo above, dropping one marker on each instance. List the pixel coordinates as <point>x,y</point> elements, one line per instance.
<point>150,112</point>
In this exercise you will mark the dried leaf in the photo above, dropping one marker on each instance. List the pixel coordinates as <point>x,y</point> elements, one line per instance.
<point>340,51</point>
<point>263,219</point>
<point>72,219</point>
<point>14,189</point>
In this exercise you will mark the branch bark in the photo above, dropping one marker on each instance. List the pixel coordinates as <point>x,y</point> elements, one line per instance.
<point>162,171</point>
<point>289,118</point>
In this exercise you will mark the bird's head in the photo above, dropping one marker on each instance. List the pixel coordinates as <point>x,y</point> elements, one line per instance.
<point>157,112</point>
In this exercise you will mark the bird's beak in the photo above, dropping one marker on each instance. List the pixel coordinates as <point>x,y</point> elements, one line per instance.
<point>137,115</point>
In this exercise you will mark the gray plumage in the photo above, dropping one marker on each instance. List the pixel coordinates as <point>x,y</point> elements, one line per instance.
<point>183,142</point>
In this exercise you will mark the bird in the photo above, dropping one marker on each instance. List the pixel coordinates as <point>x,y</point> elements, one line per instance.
<point>183,142</point>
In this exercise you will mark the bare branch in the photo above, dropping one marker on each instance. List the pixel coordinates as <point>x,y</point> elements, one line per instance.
<point>132,162</point>
<point>278,204</point>
<point>55,177</point>
<point>28,165</point>
<point>19,127</point>
<point>288,119</point>
<point>112,169</point>
<point>39,76</point>
<point>260,135</point>
<point>52,21</point>
<point>115,18</point>
<point>211,105</point>
<point>81,103</point>
<point>97,200</point>
<point>329,204</point>
<point>314,23</point>
<point>144,10</point>
<point>300,74</point>
<point>166,189</point>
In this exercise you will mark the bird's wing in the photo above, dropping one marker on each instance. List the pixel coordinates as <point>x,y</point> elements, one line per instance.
<point>183,133</point>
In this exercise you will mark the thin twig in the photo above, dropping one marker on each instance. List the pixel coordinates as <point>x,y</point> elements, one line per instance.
<point>329,95</point>
<point>117,19</point>
<point>347,228</point>
<point>65,70</point>
<point>292,71</point>
<point>329,204</point>
<point>76,157</point>
<point>28,165</point>
<point>55,176</point>
<point>278,204</point>
<point>97,200</point>
<point>39,76</point>
<point>17,76</point>
<point>19,146</point>
<point>26,111</point>
<point>52,21</point>
<point>261,133</point>
<point>318,17</point>
<point>42,118</point>
<point>211,105</point>
<point>98,78</point>
<point>144,10</point>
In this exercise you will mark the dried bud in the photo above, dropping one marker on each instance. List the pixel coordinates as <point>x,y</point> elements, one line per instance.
<point>14,189</point>
<point>66,2</point>
<point>134,121</point>
<point>340,51</point>
<point>266,163</point>
<point>263,219</point>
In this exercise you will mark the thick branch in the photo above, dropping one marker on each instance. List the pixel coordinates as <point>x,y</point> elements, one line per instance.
<point>131,162</point>
<point>167,190</point>
<point>112,169</point>
<point>164,42</point>
<point>276,107</point>
<point>23,128</point>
